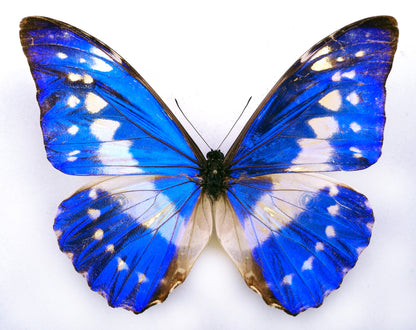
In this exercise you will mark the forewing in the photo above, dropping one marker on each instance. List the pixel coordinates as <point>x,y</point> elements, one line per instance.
<point>293,237</point>
<point>327,111</point>
<point>134,238</point>
<point>98,115</point>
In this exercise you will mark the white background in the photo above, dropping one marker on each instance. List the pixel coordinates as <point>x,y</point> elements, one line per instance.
<point>212,56</point>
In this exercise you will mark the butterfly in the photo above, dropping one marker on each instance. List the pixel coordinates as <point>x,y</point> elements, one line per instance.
<point>292,233</point>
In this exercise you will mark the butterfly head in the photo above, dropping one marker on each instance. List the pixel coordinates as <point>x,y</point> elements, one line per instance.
<point>214,174</point>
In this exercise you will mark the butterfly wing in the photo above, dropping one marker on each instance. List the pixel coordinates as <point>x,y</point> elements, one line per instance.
<point>134,238</point>
<point>327,111</point>
<point>98,115</point>
<point>294,236</point>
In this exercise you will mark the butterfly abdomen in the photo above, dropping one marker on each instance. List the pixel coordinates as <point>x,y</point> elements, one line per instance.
<point>214,174</point>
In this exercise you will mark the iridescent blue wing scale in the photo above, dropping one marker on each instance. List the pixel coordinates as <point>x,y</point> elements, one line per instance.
<point>134,238</point>
<point>293,236</point>
<point>297,234</point>
<point>327,111</point>
<point>98,115</point>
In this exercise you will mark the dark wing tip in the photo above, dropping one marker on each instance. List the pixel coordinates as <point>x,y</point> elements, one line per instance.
<point>381,22</point>
<point>38,22</point>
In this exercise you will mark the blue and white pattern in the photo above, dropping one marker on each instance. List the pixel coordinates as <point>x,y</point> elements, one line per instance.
<point>292,234</point>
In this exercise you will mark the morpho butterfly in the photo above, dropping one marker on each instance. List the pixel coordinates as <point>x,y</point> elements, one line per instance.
<point>292,234</point>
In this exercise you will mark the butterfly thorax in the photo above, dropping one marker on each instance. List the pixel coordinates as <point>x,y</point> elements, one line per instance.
<point>214,175</point>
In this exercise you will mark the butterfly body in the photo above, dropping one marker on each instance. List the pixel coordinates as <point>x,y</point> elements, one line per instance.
<point>293,234</point>
<point>214,175</point>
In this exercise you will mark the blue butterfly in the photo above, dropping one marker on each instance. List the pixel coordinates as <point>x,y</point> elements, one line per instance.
<point>293,234</point>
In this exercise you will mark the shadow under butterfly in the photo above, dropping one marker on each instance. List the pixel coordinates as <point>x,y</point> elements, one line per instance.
<point>293,234</point>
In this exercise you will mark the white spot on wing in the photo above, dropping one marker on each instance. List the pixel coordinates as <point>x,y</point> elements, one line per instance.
<point>332,100</point>
<point>355,127</point>
<point>61,55</point>
<point>307,265</point>
<point>92,193</point>
<point>357,152</point>
<point>360,53</point>
<point>323,51</point>
<point>336,76</point>
<point>94,213</point>
<point>74,76</point>
<point>98,235</point>
<point>349,74</point>
<point>71,155</point>
<point>142,277</point>
<point>73,130</point>
<point>330,231</point>
<point>121,265</point>
<point>333,190</point>
<point>324,127</point>
<point>104,129</point>
<point>100,65</point>
<point>353,98</point>
<point>319,246</point>
<point>72,101</point>
<point>94,103</point>
<point>88,79</point>
<point>109,248</point>
<point>288,279</point>
<point>322,64</point>
<point>333,209</point>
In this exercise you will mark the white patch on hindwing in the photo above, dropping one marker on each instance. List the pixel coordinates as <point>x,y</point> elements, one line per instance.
<point>333,209</point>
<point>333,190</point>
<point>92,193</point>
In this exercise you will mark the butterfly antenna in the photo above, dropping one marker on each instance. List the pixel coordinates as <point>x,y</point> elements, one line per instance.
<point>235,122</point>
<point>189,122</point>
